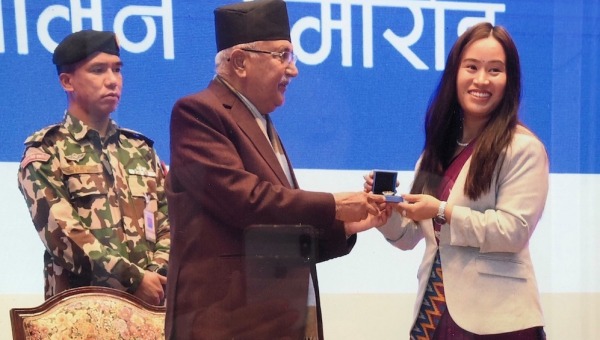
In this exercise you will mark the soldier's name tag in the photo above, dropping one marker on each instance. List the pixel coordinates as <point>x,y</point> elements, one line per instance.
<point>82,169</point>
<point>149,225</point>
<point>140,171</point>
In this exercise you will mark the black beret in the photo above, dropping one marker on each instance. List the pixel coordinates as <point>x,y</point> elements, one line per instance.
<point>244,22</point>
<point>80,45</point>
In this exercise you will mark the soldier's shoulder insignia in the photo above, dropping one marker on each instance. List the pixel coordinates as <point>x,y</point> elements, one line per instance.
<point>134,134</point>
<point>38,136</point>
<point>34,155</point>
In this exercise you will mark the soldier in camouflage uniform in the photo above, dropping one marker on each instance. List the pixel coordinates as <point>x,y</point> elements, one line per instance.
<point>95,191</point>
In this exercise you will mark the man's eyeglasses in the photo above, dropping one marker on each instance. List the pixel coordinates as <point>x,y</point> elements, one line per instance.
<point>286,57</point>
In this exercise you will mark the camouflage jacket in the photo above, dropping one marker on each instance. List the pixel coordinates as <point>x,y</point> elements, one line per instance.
<point>90,200</point>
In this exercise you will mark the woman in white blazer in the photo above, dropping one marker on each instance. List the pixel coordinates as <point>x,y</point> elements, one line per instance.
<point>483,179</point>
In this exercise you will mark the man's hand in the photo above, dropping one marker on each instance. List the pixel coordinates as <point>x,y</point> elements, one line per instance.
<point>356,206</point>
<point>151,288</point>
<point>370,222</point>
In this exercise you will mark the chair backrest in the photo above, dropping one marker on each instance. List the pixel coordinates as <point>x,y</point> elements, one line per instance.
<point>89,313</point>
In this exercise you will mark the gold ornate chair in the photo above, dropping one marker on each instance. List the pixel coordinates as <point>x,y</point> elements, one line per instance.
<point>89,313</point>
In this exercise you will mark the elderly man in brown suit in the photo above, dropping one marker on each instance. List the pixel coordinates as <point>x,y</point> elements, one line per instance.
<point>229,171</point>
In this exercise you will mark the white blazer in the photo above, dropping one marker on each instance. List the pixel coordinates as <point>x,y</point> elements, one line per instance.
<point>489,280</point>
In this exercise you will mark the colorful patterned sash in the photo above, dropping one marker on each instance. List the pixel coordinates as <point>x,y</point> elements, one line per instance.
<point>434,300</point>
<point>433,305</point>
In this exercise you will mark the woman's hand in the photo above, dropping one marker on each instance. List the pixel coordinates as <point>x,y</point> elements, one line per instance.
<point>418,207</point>
<point>368,186</point>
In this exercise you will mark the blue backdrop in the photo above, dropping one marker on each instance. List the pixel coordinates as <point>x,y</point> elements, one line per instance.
<point>367,71</point>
